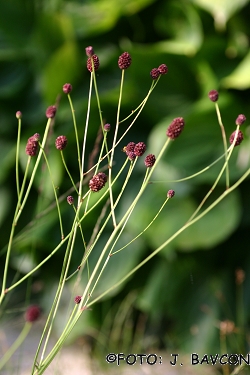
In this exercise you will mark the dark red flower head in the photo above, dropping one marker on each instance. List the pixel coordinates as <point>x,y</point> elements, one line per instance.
<point>139,148</point>
<point>124,60</point>
<point>98,181</point>
<point>106,127</point>
<point>70,199</point>
<point>149,160</point>
<point>129,149</point>
<point>32,145</point>
<point>32,313</point>
<point>67,88</point>
<point>213,95</point>
<point>163,69</point>
<point>51,111</point>
<point>175,128</point>
<point>170,193</point>
<point>239,138</point>
<point>155,73</point>
<point>61,142</point>
<point>78,299</point>
<point>240,120</point>
<point>89,51</point>
<point>95,61</point>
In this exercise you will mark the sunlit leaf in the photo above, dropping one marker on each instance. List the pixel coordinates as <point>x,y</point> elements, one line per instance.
<point>185,26</point>
<point>240,77</point>
<point>62,67</point>
<point>98,16</point>
<point>221,10</point>
<point>214,227</point>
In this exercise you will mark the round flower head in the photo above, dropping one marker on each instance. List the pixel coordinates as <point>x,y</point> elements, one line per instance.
<point>175,128</point>
<point>239,138</point>
<point>106,127</point>
<point>240,120</point>
<point>149,160</point>
<point>170,193</point>
<point>130,147</point>
<point>70,199</point>
<point>139,149</point>
<point>97,182</point>
<point>131,155</point>
<point>78,299</point>
<point>61,142</point>
<point>163,69</point>
<point>51,111</point>
<point>18,115</point>
<point>213,95</point>
<point>89,51</point>
<point>32,313</point>
<point>155,73</point>
<point>124,60</point>
<point>67,88</point>
<point>32,145</point>
<point>95,61</point>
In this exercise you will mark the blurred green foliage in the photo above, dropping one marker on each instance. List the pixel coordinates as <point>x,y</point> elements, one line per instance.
<point>190,287</point>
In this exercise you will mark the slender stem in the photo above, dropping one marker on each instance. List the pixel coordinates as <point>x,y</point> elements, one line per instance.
<point>13,227</point>
<point>144,230</point>
<point>224,142</point>
<point>84,140</point>
<point>218,178</point>
<point>65,166</point>
<point>6,357</point>
<point>76,132</point>
<point>66,332</point>
<point>55,194</point>
<point>34,169</point>
<point>113,149</point>
<point>184,227</point>
<point>17,155</point>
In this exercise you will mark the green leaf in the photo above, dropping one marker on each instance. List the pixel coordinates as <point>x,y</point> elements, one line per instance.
<point>221,10</point>
<point>240,77</point>
<point>214,227</point>
<point>63,66</point>
<point>100,16</point>
<point>185,26</point>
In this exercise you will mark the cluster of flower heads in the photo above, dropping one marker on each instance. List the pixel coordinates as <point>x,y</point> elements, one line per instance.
<point>32,145</point>
<point>156,72</point>
<point>124,62</point>
<point>98,181</point>
<point>237,135</point>
<point>134,149</point>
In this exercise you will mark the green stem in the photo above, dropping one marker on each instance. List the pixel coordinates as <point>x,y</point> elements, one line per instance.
<point>76,132</point>
<point>65,166</point>
<point>55,194</point>
<point>224,142</point>
<point>17,156</point>
<point>218,178</point>
<point>185,226</point>
<point>6,357</point>
<point>113,148</point>
<point>144,230</point>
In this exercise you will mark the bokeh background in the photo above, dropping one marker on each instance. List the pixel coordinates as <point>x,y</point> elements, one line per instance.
<point>195,294</point>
